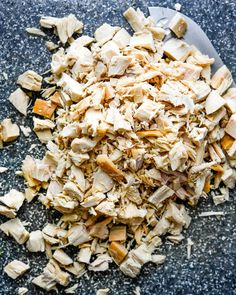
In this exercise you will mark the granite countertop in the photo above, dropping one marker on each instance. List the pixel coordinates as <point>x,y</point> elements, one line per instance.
<point>211,268</point>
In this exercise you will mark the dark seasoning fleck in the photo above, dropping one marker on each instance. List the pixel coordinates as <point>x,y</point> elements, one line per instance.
<point>211,268</point>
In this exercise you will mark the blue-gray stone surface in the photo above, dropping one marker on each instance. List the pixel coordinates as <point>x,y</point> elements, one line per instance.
<point>211,268</point>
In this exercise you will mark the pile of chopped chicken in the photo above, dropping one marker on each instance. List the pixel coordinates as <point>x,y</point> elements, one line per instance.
<point>135,128</point>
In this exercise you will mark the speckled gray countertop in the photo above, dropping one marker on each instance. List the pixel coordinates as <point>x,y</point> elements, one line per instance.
<point>211,268</point>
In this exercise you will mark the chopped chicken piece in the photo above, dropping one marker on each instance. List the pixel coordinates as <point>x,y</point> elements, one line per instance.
<point>143,40</point>
<point>109,50</point>
<point>78,235</point>
<point>178,156</point>
<point>16,268</point>
<point>200,88</point>
<point>16,229</point>
<point>136,19</point>
<point>70,131</point>
<point>100,70</point>
<point>150,133</point>
<point>101,263</point>
<point>229,177</point>
<point>176,49</point>
<point>158,259</point>
<point>105,33</point>
<point>214,102</point>
<point>147,110</point>
<point>231,126</point>
<point>221,80</point>
<point>117,251</point>
<point>83,64</point>
<point>40,124</point>
<point>44,108</point>
<point>62,257</point>
<point>227,141</point>
<point>117,233</point>
<point>102,182</point>
<point>131,211</point>
<point>77,269</point>
<point>100,230</point>
<point>84,255</point>
<point>30,80</point>
<point>232,150</point>
<point>122,38</point>
<point>59,62</point>
<point>10,131</point>
<point>72,190</point>
<point>20,100</point>
<point>119,122</point>
<point>133,195</point>
<point>198,135</point>
<point>178,25</point>
<point>157,32</point>
<point>135,259</point>
<point>44,135</point>
<point>77,175</point>
<point>162,227</point>
<point>83,145</point>
<point>161,194</point>
<point>230,97</point>
<point>107,165</point>
<point>83,41</point>
<point>45,282</point>
<point>65,26</point>
<point>14,199</point>
<point>51,46</point>
<point>56,98</point>
<point>5,211</point>
<point>118,65</point>
<point>173,214</point>
<point>192,72</point>
<point>106,208</point>
<point>36,242</point>
<point>71,87</point>
<point>53,271</point>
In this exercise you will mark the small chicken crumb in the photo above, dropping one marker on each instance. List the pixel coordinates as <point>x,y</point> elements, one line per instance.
<point>211,213</point>
<point>103,291</point>
<point>178,6</point>
<point>3,169</point>
<point>51,46</point>
<point>25,130</point>
<point>190,243</point>
<point>35,31</point>
<point>137,291</point>
<point>22,291</point>
<point>72,289</point>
